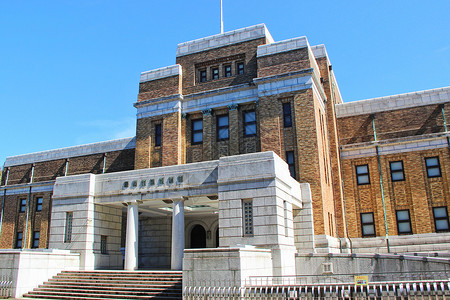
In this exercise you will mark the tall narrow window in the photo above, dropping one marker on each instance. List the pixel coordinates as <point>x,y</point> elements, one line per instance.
<point>68,228</point>
<point>290,159</point>
<point>19,239</point>
<point>158,135</point>
<point>215,73</point>
<point>249,123</point>
<point>287,115</point>
<point>240,68</point>
<point>247,216</point>
<point>202,75</point>
<point>23,205</point>
<point>433,167</point>
<point>362,174</point>
<point>397,171</point>
<point>39,202</point>
<point>403,221</point>
<point>222,127</point>
<point>440,215</point>
<point>227,71</point>
<point>367,224</point>
<point>103,240</point>
<point>197,131</point>
<point>35,243</point>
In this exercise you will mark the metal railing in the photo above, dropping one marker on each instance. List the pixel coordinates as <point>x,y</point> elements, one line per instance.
<point>380,290</point>
<point>5,286</point>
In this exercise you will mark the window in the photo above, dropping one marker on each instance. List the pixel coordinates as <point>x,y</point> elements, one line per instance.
<point>68,228</point>
<point>397,172</point>
<point>103,240</point>
<point>403,221</point>
<point>39,201</point>
<point>440,215</point>
<point>23,205</point>
<point>227,71</point>
<point>367,224</point>
<point>433,167</point>
<point>202,75</point>
<point>240,68</point>
<point>290,159</point>
<point>19,238</point>
<point>222,127</point>
<point>215,73</point>
<point>35,239</point>
<point>287,115</point>
<point>249,123</point>
<point>158,134</point>
<point>197,131</point>
<point>362,174</point>
<point>247,213</point>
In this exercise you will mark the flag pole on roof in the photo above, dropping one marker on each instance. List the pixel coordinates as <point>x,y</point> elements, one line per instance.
<point>221,17</point>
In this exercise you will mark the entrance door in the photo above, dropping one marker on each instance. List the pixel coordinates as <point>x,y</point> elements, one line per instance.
<point>198,237</point>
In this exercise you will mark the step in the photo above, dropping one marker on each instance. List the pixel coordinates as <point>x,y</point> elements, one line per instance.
<point>113,292</point>
<point>108,284</point>
<point>75,295</point>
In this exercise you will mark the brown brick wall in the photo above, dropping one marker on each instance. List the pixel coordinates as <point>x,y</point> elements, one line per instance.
<point>392,124</point>
<point>159,88</point>
<point>14,222</point>
<point>217,57</point>
<point>284,62</point>
<point>418,193</point>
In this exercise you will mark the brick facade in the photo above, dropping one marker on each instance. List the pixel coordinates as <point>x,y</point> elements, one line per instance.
<point>326,138</point>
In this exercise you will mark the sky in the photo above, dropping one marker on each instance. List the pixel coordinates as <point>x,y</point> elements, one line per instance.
<point>69,70</point>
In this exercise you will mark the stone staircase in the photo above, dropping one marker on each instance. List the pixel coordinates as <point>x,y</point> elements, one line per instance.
<point>111,285</point>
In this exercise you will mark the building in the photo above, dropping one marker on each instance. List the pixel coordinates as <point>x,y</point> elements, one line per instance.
<point>244,141</point>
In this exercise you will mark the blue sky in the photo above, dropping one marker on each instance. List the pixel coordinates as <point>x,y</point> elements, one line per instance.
<point>69,70</point>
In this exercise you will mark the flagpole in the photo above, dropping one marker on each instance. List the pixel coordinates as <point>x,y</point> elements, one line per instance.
<point>221,17</point>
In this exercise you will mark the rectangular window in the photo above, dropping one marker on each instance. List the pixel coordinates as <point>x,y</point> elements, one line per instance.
<point>247,216</point>
<point>249,123</point>
<point>197,131</point>
<point>158,134</point>
<point>103,241</point>
<point>367,224</point>
<point>397,171</point>
<point>362,174</point>
<point>23,205</point>
<point>290,159</point>
<point>68,228</point>
<point>202,75</point>
<point>215,73</point>
<point>433,167</point>
<point>19,238</point>
<point>403,221</point>
<point>35,243</point>
<point>240,68</point>
<point>39,201</point>
<point>287,115</point>
<point>222,127</point>
<point>440,215</point>
<point>227,71</point>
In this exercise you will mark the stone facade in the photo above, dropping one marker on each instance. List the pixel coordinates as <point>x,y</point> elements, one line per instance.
<point>213,134</point>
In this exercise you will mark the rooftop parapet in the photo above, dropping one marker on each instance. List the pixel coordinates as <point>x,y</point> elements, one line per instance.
<point>94,148</point>
<point>224,39</point>
<point>401,101</point>
<point>164,72</point>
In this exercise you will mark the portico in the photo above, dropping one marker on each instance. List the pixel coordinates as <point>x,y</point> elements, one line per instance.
<point>168,208</point>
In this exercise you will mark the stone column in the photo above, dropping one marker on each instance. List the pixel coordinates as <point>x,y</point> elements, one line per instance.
<point>132,238</point>
<point>177,234</point>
